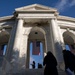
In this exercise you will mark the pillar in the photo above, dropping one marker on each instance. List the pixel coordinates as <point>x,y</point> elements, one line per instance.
<point>28,54</point>
<point>61,39</point>
<point>61,64</point>
<point>23,51</point>
<point>48,42</point>
<point>16,46</point>
<point>55,39</point>
<point>18,35</point>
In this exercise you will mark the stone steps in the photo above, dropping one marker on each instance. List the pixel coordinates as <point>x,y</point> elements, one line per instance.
<point>1,60</point>
<point>34,72</point>
<point>1,72</point>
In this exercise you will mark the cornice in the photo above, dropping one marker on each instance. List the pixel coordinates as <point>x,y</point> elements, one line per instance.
<point>35,6</point>
<point>5,18</point>
<point>65,18</point>
<point>35,11</point>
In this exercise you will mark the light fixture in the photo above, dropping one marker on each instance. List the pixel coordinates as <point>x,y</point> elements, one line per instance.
<point>36,32</point>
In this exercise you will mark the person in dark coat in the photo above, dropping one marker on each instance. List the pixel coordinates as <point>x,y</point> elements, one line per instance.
<point>39,65</point>
<point>69,59</point>
<point>33,65</point>
<point>50,64</point>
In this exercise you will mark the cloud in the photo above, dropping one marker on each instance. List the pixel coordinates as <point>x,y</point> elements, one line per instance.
<point>62,5</point>
<point>72,3</point>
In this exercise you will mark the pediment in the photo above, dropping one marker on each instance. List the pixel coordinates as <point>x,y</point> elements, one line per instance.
<point>35,7</point>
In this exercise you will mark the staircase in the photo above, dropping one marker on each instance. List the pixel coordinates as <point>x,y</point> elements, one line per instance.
<point>39,71</point>
<point>34,72</point>
<point>1,60</point>
<point>26,71</point>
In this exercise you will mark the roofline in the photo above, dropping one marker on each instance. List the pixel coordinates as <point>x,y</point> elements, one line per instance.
<point>66,18</point>
<point>36,5</point>
<point>6,17</point>
<point>35,11</point>
<point>59,17</point>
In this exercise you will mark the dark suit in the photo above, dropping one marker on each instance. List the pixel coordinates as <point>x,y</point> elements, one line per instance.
<point>50,64</point>
<point>69,60</point>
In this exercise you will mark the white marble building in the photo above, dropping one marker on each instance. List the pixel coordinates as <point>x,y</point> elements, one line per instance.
<point>17,31</point>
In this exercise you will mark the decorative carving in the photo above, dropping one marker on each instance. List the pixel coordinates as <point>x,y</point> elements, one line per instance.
<point>36,23</point>
<point>68,29</point>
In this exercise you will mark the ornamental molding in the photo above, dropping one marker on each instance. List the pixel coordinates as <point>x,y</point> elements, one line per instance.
<point>65,18</point>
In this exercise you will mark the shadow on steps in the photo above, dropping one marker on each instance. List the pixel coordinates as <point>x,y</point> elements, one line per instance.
<point>35,72</point>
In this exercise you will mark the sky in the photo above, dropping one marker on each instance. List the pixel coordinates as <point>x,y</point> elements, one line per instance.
<point>64,7</point>
<point>36,58</point>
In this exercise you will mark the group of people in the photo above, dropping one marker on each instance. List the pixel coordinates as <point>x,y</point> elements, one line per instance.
<point>33,65</point>
<point>50,63</point>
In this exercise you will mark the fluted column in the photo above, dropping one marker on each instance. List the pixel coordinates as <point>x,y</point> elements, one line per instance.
<point>61,64</point>
<point>28,54</point>
<point>55,39</point>
<point>23,51</point>
<point>61,39</point>
<point>16,45</point>
<point>18,35</point>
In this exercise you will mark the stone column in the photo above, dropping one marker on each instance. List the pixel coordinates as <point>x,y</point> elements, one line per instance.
<point>61,39</point>
<point>18,35</point>
<point>55,39</point>
<point>23,51</point>
<point>61,64</point>
<point>28,55</point>
<point>48,42</point>
<point>11,42</point>
<point>44,48</point>
<point>8,56</point>
<point>16,46</point>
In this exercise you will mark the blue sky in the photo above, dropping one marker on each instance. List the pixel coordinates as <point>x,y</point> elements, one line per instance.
<point>65,7</point>
<point>36,58</point>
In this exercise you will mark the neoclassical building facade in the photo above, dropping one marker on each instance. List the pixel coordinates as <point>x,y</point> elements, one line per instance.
<point>34,23</point>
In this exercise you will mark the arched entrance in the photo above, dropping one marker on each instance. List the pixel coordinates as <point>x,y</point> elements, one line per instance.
<point>69,40</point>
<point>4,37</point>
<point>36,46</point>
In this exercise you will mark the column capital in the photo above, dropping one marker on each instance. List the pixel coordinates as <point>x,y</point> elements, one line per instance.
<point>0,31</point>
<point>1,27</point>
<point>54,19</point>
<point>25,34</point>
<point>20,18</point>
<point>50,20</point>
<point>68,29</point>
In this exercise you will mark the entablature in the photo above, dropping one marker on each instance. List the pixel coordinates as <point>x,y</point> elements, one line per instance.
<point>7,18</point>
<point>36,15</point>
<point>65,18</point>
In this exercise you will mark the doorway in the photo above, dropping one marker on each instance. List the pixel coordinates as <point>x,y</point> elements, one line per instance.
<point>36,47</point>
